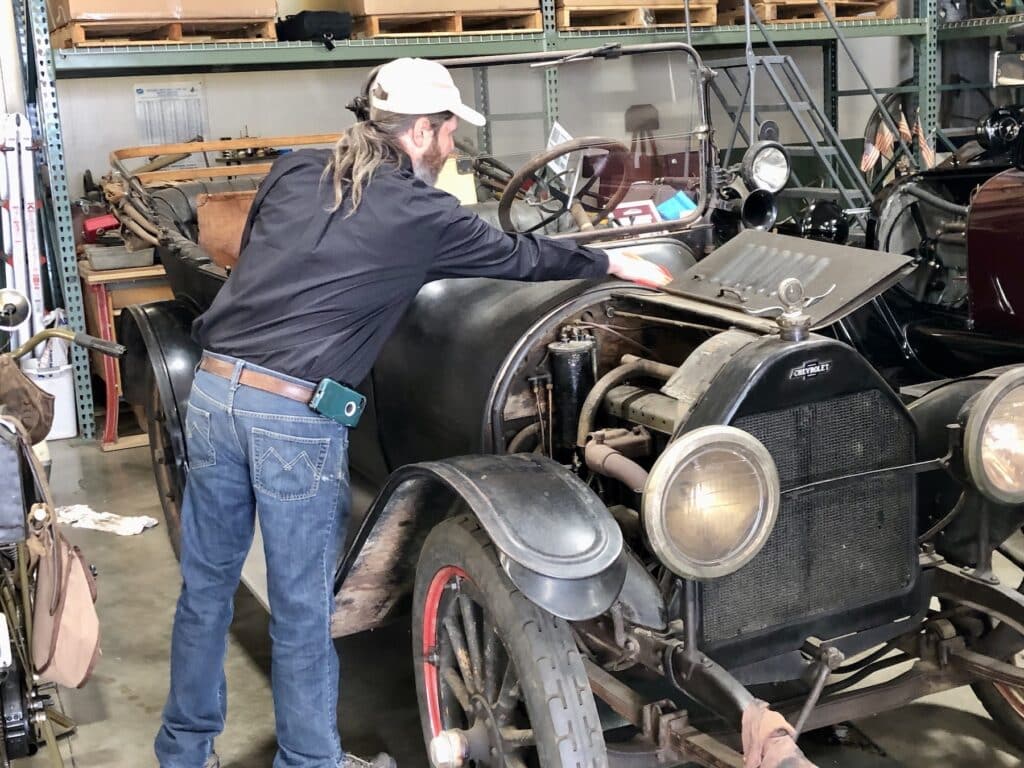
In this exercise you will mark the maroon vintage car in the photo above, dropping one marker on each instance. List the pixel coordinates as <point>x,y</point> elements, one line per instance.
<point>962,310</point>
<point>995,270</point>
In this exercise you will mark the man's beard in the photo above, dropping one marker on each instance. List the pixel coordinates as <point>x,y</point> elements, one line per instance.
<point>428,168</point>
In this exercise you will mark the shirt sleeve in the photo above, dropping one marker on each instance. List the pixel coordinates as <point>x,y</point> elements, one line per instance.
<point>470,247</point>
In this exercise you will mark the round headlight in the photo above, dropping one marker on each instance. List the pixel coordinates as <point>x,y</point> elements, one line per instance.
<point>994,439</point>
<point>766,166</point>
<point>710,502</point>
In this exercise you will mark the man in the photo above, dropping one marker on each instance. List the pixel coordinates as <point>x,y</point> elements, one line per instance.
<point>336,247</point>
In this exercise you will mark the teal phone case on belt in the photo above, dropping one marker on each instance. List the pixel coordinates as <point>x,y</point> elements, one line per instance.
<point>338,402</point>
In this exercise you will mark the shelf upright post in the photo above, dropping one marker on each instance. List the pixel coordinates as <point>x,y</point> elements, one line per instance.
<point>926,67</point>
<point>482,87</point>
<point>31,25</point>
<point>830,56</point>
<point>550,73</point>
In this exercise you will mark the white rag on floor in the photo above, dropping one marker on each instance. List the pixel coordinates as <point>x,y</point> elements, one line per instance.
<point>83,516</point>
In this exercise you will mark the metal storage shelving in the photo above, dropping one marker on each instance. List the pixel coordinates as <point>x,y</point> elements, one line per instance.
<point>922,30</point>
<point>156,59</point>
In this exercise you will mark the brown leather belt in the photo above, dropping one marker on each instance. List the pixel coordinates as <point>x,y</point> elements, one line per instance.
<point>257,380</point>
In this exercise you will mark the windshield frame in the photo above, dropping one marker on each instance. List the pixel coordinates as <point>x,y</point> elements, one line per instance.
<point>703,130</point>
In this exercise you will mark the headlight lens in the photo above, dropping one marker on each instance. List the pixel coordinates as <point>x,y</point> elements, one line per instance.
<point>994,439</point>
<point>710,502</point>
<point>766,166</point>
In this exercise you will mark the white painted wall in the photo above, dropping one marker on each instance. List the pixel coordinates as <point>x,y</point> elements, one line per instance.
<point>99,114</point>
<point>11,92</point>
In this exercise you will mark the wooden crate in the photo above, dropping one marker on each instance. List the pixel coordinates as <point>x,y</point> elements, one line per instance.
<point>732,12</point>
<point>448,23</point>
<point>83,34</point>
<point>625,16</point>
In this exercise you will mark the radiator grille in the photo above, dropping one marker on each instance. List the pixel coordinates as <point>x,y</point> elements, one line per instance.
<point>840,547</point>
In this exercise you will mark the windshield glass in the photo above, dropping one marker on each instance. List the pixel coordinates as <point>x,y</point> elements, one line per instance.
<point>642,113</point>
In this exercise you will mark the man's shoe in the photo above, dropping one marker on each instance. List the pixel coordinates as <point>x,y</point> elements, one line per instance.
<point>212,761</point>
<point>383,760</point>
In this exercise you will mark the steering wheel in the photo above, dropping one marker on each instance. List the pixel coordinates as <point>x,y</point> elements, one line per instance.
<point>556,200</point>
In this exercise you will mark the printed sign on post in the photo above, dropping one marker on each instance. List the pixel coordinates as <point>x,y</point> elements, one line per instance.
<point>558,136</point>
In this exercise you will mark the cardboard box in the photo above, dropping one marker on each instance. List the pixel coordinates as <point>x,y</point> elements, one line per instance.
<point>65,11</point>
<point>411,7</point>
<point>226,9</point>
<point>625,4</point>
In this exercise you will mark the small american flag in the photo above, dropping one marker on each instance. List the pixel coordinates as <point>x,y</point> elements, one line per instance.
<point>884,139</point>
<point>924,146</point>
<point>904,128</point>
<point>870,157</point>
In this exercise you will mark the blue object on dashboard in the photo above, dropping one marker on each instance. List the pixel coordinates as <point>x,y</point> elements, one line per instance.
<point>676,206</point>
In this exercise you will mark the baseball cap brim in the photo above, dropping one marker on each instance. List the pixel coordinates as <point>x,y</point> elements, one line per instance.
<point>468,114</point>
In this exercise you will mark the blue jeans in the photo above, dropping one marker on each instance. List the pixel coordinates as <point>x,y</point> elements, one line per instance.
<point>255,453</point>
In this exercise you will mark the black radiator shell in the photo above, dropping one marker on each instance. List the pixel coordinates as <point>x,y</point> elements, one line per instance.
<point>772,376</point>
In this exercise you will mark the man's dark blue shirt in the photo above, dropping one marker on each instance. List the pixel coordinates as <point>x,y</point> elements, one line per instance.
<point>316,293</point>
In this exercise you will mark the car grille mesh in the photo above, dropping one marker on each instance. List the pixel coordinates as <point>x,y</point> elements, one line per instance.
<point>839,547</point>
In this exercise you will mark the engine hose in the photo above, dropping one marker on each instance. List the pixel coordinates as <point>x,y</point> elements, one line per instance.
<point>631,366</point>
<point>610,463</point>
<point>932,199</point>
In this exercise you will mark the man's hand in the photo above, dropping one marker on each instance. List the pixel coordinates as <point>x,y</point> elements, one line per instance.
<point>629,266</point>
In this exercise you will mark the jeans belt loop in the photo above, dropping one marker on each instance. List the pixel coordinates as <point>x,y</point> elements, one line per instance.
<point>239,367</point>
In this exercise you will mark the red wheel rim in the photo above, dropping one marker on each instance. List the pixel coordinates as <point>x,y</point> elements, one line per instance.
<point>430,609</point>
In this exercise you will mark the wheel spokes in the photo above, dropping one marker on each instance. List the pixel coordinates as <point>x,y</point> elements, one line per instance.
<point>458,689</point>
<point>478,683</point>
<point>492,646</point>
<point>458,641</point>
<point>446,663</point>
<point>472,634</point>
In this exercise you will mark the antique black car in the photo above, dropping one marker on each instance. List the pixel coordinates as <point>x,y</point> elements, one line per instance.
<point>960,221</point>
<point>624,516</point>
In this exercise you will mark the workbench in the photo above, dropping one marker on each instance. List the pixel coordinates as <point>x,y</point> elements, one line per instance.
<point>106,293</point>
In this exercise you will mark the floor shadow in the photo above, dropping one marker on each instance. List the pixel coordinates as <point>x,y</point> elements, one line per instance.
<point>927,733</point>
<point>377,710</point>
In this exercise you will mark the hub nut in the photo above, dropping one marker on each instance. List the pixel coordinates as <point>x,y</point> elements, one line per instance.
<point>449,749</point>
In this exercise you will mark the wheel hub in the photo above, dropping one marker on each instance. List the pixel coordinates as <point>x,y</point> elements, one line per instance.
<point>481,742</point>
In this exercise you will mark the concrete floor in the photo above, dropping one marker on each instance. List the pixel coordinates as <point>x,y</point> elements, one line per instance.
<point>119,711</point>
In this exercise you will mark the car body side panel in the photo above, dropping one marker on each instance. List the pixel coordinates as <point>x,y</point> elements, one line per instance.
<point>995,242</point>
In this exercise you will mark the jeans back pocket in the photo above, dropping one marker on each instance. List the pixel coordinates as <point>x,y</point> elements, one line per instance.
<point>286,467</point>
<point>198,441</point>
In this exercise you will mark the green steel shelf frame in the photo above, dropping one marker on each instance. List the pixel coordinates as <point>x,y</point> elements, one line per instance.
<point>31,25</point>
<point>158,59</point>
<point>988,27</point>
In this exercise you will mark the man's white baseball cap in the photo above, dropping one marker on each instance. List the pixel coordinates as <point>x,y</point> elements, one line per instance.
<point>420,87</point>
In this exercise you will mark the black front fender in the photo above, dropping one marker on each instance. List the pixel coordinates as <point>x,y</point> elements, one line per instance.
<point>558,543</point>
<point>161,353</point>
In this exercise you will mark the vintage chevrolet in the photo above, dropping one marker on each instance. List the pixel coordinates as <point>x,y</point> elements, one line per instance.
<point>637,527</point>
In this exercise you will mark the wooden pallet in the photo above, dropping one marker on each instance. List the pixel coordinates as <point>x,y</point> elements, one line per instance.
<point>731,11</point>
<point>596,18</point>
<point>84,34</point>
<point>463,22</point>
